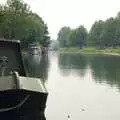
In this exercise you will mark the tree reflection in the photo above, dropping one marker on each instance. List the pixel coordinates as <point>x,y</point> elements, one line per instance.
<point>37,66</point>
<point>72,63</point>
<point>106,69</point>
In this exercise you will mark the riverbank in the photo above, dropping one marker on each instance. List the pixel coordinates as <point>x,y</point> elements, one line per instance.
<point>108,51</point>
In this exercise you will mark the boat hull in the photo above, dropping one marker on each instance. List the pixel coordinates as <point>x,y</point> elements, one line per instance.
<point>22,104</point>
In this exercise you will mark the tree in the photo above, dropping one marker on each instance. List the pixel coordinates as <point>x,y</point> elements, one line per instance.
<point>64,37</point>
<point>68,37</point>
<point>117,31</point>
<point>17,21</point>
<point>94,36</point>
<point>80,35</point>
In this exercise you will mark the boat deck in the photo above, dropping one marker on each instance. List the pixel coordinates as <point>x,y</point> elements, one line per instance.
<point>25,83</point>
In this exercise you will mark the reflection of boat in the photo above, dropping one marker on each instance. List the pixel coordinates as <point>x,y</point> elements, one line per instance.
<point>21,97</point>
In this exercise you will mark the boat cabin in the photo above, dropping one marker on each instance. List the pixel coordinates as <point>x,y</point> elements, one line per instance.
<point>21,97</point>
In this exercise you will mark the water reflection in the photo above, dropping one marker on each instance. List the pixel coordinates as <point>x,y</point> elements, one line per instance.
<point>72,63</point>
<point>37,66</point>
<point>105,69</point>
<point>69,94</point>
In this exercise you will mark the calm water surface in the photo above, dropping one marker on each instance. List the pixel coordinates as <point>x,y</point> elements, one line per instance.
<point>85,87</point>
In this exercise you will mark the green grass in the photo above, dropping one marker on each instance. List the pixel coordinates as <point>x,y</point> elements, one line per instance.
<point>77,49</point>
<point>117,50</point>
<point>90,50</point>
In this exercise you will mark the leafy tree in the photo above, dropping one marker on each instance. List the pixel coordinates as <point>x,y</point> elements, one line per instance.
<point>109,33</point>
<point>102,34</point>
<point>94,37</point>
<point>68,37</point>
<point>17,21</point>
<point>64,37</point>
<point>117,31</point>
<point>80,36</point>
<point>105,34</point>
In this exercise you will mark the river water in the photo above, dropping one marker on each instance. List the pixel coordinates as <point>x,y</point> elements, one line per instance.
<point>81,87</point>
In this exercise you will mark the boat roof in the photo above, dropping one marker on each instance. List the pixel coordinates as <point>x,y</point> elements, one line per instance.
<point>35,47</point>
<point>8,40</point>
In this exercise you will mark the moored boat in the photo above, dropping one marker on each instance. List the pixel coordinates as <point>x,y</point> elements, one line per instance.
<point>21,97</point>
<point>34,50</point>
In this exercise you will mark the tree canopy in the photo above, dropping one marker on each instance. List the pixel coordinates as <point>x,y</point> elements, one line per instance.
<point>68,37</point>
<point>101,35</point>
<point>17,21</point>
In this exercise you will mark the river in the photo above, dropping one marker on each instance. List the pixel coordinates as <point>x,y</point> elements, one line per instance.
<point>81,87</point>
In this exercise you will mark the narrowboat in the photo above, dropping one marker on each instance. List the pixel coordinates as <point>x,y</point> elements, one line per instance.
<point>34,50</point>
<point>21,97</point>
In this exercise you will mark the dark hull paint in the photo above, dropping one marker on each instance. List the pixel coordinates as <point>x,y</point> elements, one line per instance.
<point>32,109</point>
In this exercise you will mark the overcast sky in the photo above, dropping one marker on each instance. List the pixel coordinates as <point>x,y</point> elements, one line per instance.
<point>73,13</point>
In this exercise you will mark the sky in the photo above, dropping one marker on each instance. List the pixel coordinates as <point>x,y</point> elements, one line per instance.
<point>73,13</point>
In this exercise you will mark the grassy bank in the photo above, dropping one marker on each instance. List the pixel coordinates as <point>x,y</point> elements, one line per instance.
<point>111,51</point>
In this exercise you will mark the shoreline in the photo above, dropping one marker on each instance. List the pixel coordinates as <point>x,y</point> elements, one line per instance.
<point>107,51</point>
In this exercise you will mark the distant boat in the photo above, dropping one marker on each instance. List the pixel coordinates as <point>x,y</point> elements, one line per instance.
<point>21,97</point>
<point>34,50</point>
